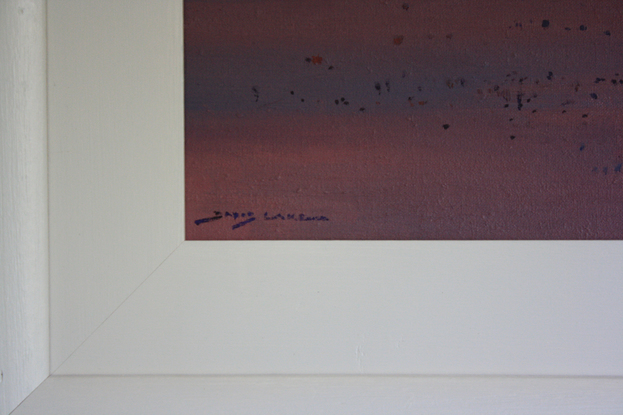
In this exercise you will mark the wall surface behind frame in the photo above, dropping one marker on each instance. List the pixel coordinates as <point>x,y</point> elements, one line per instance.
<point>24,308</point>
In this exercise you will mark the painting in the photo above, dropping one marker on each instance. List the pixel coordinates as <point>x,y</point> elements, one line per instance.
<point>403,120</point>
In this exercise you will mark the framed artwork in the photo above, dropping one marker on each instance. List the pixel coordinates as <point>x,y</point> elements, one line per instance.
<point>370,120</point>
<point>131,293</point>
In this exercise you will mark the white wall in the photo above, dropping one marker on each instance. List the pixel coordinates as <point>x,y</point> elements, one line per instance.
<point>24,306</point>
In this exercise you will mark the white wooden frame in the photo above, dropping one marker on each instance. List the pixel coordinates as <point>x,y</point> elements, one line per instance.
<point>130,297</point>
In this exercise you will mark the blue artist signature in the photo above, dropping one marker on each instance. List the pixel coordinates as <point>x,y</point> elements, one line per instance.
<point>248,217</point>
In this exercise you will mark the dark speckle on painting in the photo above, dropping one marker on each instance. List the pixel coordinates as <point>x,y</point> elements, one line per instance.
<point>398,40</point>
<point>594,95</point>
<point>583,28</point>
<point>405,6</point>
<point>545,24</point>
<point>607,33</point>
<point>446,126</point>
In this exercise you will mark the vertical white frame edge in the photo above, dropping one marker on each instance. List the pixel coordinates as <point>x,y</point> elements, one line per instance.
<point>116,167</point>
<point>24,289</point>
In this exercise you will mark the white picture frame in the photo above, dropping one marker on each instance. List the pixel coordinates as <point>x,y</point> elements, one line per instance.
<point>128,296</point>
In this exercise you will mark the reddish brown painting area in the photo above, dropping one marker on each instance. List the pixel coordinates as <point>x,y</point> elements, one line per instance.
<point>302,123</point>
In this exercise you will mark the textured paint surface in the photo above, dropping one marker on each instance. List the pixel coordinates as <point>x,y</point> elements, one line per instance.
<point>393,120</point>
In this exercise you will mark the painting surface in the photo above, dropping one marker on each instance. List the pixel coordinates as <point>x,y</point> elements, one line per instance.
<point>428,119</point>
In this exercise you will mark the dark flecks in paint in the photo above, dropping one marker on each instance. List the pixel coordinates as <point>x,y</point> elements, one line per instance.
<point>617,168</point>
<point>342,99</point>
<point>405,6</point>
<point>528,100</point>
<point>519,104</point>
<point>337,102</point>
<point>302,99</point>
<point>594,95</point>
<point>567,28</point>
<point>308,60</point>
<point>607,33</point>
<point>512,137</point>
<point>550,75</point>
<point>496,88</point>
<point>346,102</point>
<point>510,119</point>
<point>582,147</point>
<point>505,105</point>
<point>584,115</point>
<point>605,170</point>
<point>621,81</point>
<point>533,111</point>
<point>331,67</point>
<point>614,82</point>
<point>256,94</point>
<point>564,111</point>
<point>594,170</point>
<point>598,80</point>
<point>398,40</point>
<point>362,109</point>
<point>446,126</point>
<point>582,28</point>
<point>387,85</point>
<point>545,24</point>
<point>377,86</point>
<point>291,92</point>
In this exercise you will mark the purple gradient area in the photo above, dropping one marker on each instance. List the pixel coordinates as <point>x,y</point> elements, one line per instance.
<point>369,120</point>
